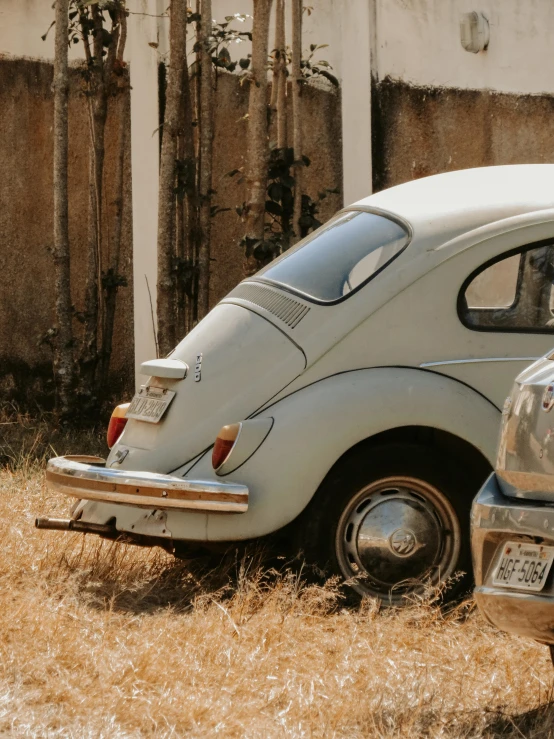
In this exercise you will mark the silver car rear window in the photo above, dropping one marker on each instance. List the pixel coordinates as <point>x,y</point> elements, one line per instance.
<point>341,256</point>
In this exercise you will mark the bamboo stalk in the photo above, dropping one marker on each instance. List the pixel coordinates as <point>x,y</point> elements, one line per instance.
<point>257,149</point>
<point>296,74</point>
<point>63,359</point>
<point>206,157</point>
<point>166,213</point>
<point>280,74</point>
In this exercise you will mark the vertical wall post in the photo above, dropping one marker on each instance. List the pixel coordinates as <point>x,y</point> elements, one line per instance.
<point>143,54</point>
<point>357,19</point>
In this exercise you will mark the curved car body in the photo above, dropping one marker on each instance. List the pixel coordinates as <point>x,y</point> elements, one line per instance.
<point>396,325</point>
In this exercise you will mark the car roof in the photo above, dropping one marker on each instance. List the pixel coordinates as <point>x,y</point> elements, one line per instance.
<point>446,205</point>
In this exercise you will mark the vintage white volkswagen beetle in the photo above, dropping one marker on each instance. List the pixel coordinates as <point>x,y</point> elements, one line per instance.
<point>352,389</point>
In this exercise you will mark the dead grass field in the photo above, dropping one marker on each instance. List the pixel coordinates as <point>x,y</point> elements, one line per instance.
<point>102,640</point>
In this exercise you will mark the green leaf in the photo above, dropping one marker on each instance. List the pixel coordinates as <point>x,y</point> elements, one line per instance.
<point>331,77</point>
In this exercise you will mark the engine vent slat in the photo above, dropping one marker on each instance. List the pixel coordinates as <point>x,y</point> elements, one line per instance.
<point>287,309</point>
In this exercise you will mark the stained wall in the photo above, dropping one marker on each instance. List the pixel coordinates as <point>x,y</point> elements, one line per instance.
<point>420,131</point>
<point>26,206</point>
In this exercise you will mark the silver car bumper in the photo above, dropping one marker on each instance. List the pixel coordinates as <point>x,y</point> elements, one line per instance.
<point>89,479</point>
<point>496,519</point>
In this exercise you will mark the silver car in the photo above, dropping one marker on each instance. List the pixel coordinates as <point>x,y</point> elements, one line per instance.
<point>512,517</point>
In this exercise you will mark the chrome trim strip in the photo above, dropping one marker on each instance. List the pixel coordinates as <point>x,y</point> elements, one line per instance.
<point>526,614</point>
<point>492,511</point>
<point>478,361</point>
<point>144,489</point>
<point>521,484</point>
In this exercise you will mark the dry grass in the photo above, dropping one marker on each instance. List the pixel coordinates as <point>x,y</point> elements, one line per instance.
<point>26,441</point>
<point>102,640</point>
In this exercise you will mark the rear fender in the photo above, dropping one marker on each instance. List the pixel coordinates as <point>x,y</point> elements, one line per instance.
<point>316,425</point>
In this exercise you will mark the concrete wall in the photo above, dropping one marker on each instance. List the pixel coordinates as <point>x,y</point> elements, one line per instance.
<point>26,227</point>
<point>345,28</point>
<point>321,131</point>
<point>413,102</point>
<point>22,24</point>
<point>418,41</point>
<point>420,131</point>
<point>436,107</point>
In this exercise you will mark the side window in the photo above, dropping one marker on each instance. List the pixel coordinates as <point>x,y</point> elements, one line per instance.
<point>512,293</point>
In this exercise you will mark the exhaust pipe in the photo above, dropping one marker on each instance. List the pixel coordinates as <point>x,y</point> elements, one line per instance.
<point>68,524</point>
<point>107,531</point>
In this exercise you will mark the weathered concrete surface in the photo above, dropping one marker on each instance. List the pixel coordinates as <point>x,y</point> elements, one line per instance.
<point>26,226</point>
<point>420,131</point>
<point>26,201</point>
<point>321,130</point>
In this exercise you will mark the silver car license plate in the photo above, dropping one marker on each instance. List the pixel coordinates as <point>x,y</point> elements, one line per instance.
<point>523,565</point>
<point>150,403</point>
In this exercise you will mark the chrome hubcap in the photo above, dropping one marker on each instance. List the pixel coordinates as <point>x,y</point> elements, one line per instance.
<point>396,535</point>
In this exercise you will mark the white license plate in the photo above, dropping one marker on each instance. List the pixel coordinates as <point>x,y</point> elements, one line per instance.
<point>149,404</point>
<point>524,566</point>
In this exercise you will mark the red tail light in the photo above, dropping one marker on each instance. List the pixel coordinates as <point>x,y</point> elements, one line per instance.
<point>224,444</point>
<point>116,424</point>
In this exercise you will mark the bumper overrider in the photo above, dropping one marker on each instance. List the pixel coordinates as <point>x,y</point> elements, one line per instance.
<point>496,519</point>
<point>87,478</point>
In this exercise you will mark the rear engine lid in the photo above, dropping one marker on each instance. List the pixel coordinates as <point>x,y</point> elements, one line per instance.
<point>236,362</point>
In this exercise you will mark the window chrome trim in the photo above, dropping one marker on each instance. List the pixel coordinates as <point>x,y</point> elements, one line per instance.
<point>444,362</point>
<point>463,308</point>
<point>363,209</point>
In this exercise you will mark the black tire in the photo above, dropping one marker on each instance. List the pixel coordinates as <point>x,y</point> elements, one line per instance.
<point>364,522</point>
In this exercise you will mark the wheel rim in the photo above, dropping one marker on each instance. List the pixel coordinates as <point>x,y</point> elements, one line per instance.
<point>397,536</point>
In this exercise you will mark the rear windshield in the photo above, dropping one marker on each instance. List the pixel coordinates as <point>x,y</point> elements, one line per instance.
<point>339,257</point>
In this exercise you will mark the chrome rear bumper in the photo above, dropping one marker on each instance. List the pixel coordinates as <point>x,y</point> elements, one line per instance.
<point>82,478</point>
<point>496,519</point>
